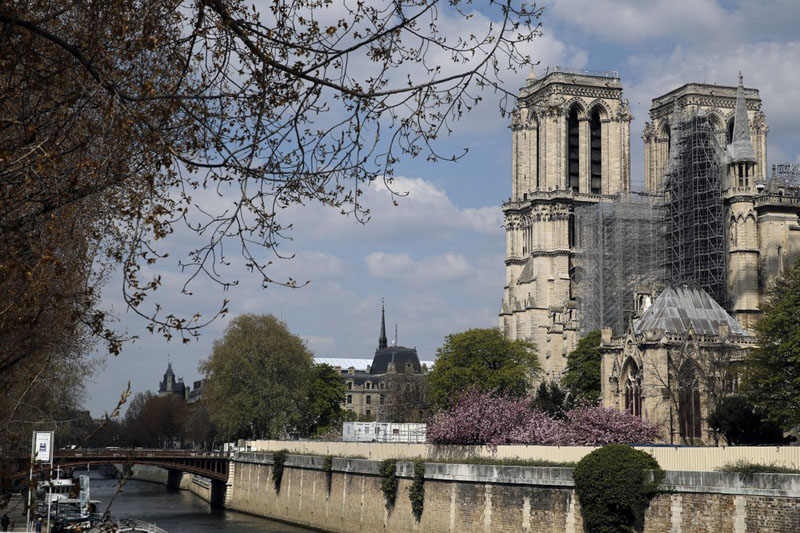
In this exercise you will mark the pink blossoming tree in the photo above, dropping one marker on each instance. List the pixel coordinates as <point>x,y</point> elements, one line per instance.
<point>483,418</point>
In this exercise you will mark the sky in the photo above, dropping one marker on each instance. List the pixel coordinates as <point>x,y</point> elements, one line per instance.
<point>436,258</point>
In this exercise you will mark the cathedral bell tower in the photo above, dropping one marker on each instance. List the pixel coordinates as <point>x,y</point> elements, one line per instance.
<point>570,135</point>
<point>739,191</point>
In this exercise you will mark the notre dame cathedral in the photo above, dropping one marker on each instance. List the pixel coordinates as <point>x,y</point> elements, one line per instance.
<point>688,258</point>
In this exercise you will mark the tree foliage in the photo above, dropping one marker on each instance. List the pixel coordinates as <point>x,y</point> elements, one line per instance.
<point>614,488</point>
<point>582,375</point>
<point>482,359</point>
<point>771,378</point>
<point>551,399</point>
<point>742,424</point>
<point>483,418</point>
<point>321,409</point>
<point>257,377</point>
<point>155,421</point>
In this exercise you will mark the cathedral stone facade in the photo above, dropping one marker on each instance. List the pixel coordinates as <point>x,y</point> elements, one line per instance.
<point>571,149</point>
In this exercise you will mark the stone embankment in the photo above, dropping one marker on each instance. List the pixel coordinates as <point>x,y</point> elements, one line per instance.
<point>345,495</point>
<point>197,485</point>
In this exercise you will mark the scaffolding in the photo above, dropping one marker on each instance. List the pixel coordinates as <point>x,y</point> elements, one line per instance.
<point>618,252</point>
<point>694,231</point>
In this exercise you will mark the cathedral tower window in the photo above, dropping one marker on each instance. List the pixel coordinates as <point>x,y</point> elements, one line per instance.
<point>573,149</point>
<point>689,412</point>
<point>596,154</point>
<point>729,132</point>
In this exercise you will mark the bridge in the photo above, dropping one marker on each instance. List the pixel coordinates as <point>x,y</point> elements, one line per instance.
<point>211,465</point>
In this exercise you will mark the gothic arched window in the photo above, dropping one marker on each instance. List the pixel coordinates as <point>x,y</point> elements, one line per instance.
<point>729,132</point>
<point>573,146</point>
<point>633,389</point>
<point>596,155</point>
<point>689,412</point>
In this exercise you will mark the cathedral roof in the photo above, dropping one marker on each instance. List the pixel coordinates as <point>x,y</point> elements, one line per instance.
<point>679,308</point>
<point>741,147</point>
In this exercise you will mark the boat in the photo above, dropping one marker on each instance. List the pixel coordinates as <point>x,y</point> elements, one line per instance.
<point>64,512</point>
<point>58,488</point>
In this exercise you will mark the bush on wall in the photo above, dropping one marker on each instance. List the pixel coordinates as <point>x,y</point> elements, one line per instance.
<point>615,489</point>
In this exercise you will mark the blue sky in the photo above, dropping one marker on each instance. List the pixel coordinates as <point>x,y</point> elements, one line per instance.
<point>437,257</point>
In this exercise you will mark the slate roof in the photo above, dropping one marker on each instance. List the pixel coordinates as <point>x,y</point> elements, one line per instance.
<point>359,364</point>
<point>678,308</point>
<point>400,355</point>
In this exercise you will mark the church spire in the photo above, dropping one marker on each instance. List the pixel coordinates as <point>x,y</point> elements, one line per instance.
<point>382,344</point>
<point>741,148</point>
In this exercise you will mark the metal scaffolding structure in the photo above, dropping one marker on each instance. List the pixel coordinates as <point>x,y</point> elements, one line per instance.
<point>694,231</point>
<point>618,252</point>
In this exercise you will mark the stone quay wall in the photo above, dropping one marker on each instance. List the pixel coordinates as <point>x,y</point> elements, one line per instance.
<point>197,485</point>
<point>346,496</point>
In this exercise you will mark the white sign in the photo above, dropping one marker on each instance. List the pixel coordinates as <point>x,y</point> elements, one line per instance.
<point>43,446</point>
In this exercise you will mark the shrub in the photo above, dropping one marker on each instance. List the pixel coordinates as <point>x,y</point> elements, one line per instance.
<point>278,459</point>
<point>746,468</point>
<point>389,482</point>
<point>416,494</point>
<point>613,488</point>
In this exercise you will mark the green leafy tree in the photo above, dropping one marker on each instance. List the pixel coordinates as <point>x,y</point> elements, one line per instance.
<point>771,377</point>
<point>740,423</point>
<point>582,376</point>
<point>257,378</point>
<point>485,360</point>
<point>322,406</point>
<point>551,399</point>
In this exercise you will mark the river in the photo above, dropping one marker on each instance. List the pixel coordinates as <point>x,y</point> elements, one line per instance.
<point>177,511</point>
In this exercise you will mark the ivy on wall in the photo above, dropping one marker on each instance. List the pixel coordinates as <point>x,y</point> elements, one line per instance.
<point>416,493</point>
<point>327,467</point>
<point>389,482</point>
<point>278,459</point>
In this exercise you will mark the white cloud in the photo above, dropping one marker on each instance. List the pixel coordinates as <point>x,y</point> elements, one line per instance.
<point>317,343</point>
<point>630,21</point>
<point>401,267</point>
<point>424,213</point>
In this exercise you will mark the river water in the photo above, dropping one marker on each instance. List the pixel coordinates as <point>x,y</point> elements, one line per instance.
<point>177,511</point>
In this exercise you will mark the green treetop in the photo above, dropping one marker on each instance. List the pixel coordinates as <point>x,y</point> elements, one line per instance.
<point>257,375</point>
<point>772,370</point>
<point>582,376</point>
<point>484,359</point>
<point>322,407</point>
